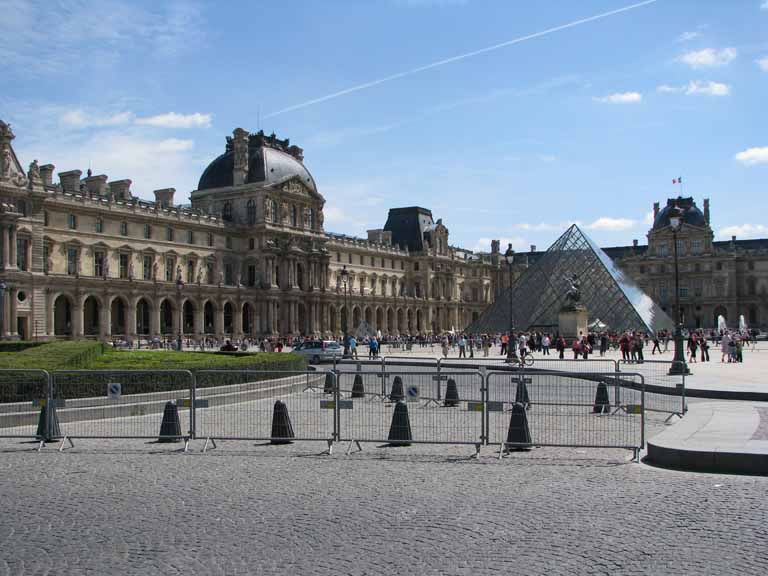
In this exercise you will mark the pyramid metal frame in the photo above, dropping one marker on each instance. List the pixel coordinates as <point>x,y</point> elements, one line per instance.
<point>606,291</point>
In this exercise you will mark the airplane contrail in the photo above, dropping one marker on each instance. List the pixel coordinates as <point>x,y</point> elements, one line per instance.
<point>458,57</point>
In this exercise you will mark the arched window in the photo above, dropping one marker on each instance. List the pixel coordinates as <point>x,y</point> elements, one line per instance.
<point>226,211</point>
<point>294,215</point>
<point>275,213</point>
<point>251,209</point>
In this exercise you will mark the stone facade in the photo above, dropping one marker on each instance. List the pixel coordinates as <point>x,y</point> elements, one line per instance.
<point>83,257</point>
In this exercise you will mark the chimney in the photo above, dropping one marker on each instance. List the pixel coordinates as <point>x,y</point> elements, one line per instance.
<point>240,148</point>
<point>164,197</point>
<point>706,210</point>
<point>70,181</point>
<point>533,247</point>
<point>96,185</point>
<point>120,189</point>
<point>634,243</point>
<point>46,173</point>
<point>655,210</point>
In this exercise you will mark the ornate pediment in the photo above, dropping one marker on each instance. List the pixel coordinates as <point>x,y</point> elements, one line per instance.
<point>294,186</point>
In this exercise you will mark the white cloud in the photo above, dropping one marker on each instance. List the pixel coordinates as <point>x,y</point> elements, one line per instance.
<point>753,156</point>
<point>744,231</point>
<point>621,98</point>
<point>174,120</point>
<point>688,36</point>
<point>708,58</point>
<point>649,219</point>
<point>611,224</point>
<point>81,119</point>
<point>542,226</point>
<point>708,88</point>
<point>697,87</point>
<point>763,64</point>
<point>764,5</point>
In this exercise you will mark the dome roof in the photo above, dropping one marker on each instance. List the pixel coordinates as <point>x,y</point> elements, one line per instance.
<point>267,165</point>
<point>691,214</point>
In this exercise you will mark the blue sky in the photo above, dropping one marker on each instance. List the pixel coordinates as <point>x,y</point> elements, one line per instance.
<point>589,123</point>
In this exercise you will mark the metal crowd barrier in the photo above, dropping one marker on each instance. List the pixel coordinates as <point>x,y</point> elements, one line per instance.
<point>403,407</point>
<point>664,393</point>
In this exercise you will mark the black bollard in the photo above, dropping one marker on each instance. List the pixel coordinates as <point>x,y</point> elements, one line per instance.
<point>282,430</point>
<point>170,427</point>
<point>521,394</point>
<point>518,433</point>
<point>328,386</point>
<point>358,390</point>
<point>602,403</point>
<point>400,429</point>
<point>397,394</point>
<point>48,430</point>
<point>451,394</point>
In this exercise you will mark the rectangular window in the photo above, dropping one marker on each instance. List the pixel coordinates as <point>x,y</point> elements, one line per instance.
<point>72,222</point>
<point>99,225</point>
<point>210,272</point>
<point>663,291</point>
<point>719,266</point>
<point>190,237</point>
<point>402,265</point>
<point>228,274</point>
<point>98,263</point>
<point>229,242</point>
<point>349,257</point>
<point>170,264</point>
<point>662,249</point>
<point>46,252</point>
<point>338,256</point>
<point>190,271</point>
<point>72,261</point>
<point>681,246</point>
<point>251,243</point>
<point>210,239</point>
<point>21,254</point>
<point>147,267</point>
<point>251,275</point>
<point>45,218</point>
<point>683,291</point>
<point>124,265</point>
<point>169,234</point>
<point>147,231</point>
<point>124,228</point>
<point>695,246</point>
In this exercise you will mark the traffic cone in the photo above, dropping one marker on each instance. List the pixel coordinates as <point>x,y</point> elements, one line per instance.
<point>400,429</point>
<point>358,390</point>
<point>602,403</point>
<point>170,427</point>
<point>48,430</point>
<point>521,394</point>
<point>451,394</point>
<point>519,433</point>
<point>397,394</point>
<point>328,386</point>
<point>282,429</point>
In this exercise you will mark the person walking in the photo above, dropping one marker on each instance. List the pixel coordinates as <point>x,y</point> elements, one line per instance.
<point>444,347</point>
<point>725,342</point>
<point>655,344</point>
<point>545,344</point>
<point>704,350</point>
<point>560,347</point>
<point>352,347</point>
<point>692,347</point>
<point>462,346</point>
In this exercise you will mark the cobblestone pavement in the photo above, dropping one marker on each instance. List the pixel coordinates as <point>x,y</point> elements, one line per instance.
<point>127,507</point>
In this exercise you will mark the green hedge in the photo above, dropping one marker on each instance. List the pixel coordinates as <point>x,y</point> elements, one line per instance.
<point>170,360</point>
<point>53,356</point>
<point>17,345</point>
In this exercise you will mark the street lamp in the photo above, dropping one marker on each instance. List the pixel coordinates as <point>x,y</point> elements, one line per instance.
<point>509,256</point>
<point>179,286</point>
<point>345,279</point>
<point>678,364</point>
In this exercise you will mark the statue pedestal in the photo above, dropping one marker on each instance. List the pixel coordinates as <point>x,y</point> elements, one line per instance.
<point>572,322</point>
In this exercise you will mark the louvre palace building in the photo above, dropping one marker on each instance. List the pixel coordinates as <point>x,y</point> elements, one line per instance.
<point>82,257</point>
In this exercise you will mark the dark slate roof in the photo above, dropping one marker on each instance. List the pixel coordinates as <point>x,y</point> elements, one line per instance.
<point>756,244</point>
<point>265,165</point>
<point>691,213</point>
<point>408,225</point>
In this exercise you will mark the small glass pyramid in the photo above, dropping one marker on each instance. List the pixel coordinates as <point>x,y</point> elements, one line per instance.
<point>606,292</point>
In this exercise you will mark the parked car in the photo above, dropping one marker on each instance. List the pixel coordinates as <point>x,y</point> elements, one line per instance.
<point>318,351</point>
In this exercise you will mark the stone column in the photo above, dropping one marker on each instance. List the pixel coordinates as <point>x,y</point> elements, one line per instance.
<point>77,318</point>
<point>11,250</point>
<point>50,315</point>
<point>130,321</point>
<point>6,295</point>
<point>105,320</point>
<point>13,325</point>
<point>199,320</point>
<point>6,249</point>
<point>154,319</point>
<point>218,319</point>
<point>237,321</point>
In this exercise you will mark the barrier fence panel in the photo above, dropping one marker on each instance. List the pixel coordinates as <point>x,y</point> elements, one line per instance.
<point>565,409</point>
<point>23,398</point>
<point>664,393</point>
<point>411,411</point>
<point>264,405</point>
<point>124,403</point>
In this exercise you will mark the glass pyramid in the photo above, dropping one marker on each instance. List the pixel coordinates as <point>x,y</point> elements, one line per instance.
<point>607,293</point>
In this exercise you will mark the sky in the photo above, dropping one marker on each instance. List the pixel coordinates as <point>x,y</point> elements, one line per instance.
<point>509,119</point>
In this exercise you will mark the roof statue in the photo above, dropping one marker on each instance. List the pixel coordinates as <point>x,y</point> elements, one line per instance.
<point>574,271</point>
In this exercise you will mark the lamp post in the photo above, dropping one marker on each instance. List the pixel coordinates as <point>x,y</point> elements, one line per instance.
<point>179,286</point>
<point>678,364</point>
<point>345,279</point>
<point>509,257</point>
<point>3,287</point>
